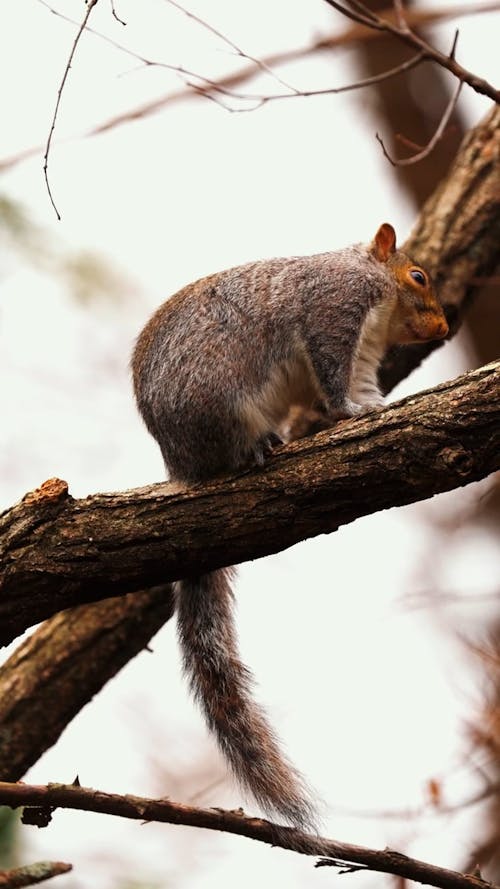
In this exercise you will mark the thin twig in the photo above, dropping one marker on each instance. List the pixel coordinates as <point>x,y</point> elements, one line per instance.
<point>369,20</point>
<point>406,35</point>
<point>426,810</point>
<point>206,87</point>
<point>260,100</point>
<point>115,14</point>
<point>352,33</point>
<point>235,822</point>
<point>407,161</point>
<point>90,6</point>
<point>400,13</point>
<point>454,44</point>
<point>239,52</point>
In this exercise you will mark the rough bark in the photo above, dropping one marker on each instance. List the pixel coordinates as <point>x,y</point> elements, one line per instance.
<point>41,801</point>
<point>57,552</point>
<point>457,236</point>
<point>470,195</point>
<point>55,672</point>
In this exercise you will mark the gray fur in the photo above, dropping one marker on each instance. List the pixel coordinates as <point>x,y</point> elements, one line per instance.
<point>216,371</point>
<point>214,345</point>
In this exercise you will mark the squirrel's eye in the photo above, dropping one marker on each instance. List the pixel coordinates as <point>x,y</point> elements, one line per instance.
<point>418,276</point>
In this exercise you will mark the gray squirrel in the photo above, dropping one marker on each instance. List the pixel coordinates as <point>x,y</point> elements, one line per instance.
<point>218,372</point>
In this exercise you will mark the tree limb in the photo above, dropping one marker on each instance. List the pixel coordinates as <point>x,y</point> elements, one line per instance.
<point>57,552</point>
<point>236,822</point>
<point>31,874</point>
<point>58,669</point>
<point>406,35</point>
<point>457,236</point>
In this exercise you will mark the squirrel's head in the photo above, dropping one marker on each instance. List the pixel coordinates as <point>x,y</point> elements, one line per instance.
<point>418,315</point>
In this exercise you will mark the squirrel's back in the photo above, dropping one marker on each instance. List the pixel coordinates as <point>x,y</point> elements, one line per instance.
<point>216,371</point>
<point>219,363</point>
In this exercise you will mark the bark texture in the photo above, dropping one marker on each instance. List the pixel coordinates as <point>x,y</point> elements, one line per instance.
<point>55,672</point>
<point>41,800</point>
<point>57,552</point>
<point>457,236</point>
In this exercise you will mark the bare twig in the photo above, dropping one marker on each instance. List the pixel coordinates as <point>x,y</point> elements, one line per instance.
<point>406,35</point>
<point>426,810</point>
<point>165,811</point>
<point>90,6</point>
<point>355,32</point>
<point>115,14</point>
<point>31,874</point>
<point>208,88</point>
<point>400,13</point>
<point>454,45</point>
<point>438,135</point>
<point>260,100</point>
<point>239,52</point>
<point>362,18</point>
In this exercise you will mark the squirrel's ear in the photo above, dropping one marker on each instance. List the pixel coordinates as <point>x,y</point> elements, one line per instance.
<point>385,242</point>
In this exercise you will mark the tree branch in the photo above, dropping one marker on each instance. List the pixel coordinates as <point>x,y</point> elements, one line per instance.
<point>352,34</point>
<point>50,677</point>
<point>456,237</point>
<point>406,35</point>
<point>439,133</point>
<point>57,552</point>
<point>31,874</point>
<point>164,811</point>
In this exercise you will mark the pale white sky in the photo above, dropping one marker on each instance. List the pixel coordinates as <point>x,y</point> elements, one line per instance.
<point>368,695</point>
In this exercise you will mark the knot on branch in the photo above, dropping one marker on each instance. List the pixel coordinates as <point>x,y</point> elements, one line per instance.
<point>50,491</point>
<point>456,458</point>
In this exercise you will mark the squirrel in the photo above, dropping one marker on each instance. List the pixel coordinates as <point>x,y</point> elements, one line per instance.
<point>218,371</point>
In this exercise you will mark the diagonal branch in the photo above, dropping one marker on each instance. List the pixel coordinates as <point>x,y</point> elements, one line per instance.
<point>142,809</point>
<point>31,874</point>
<point>457,237</point>
<point>353,34</point>
<point>57,552</point>
<point>404,33</point>
<point>50,677</point>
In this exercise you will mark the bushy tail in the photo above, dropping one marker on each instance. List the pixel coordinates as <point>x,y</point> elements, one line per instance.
<point>222,685</point>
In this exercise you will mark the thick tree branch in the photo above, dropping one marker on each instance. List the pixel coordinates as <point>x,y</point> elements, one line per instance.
<point>57,552</point>
<point>457,236</point>
<point>55,672</point>
<point>164,811</point>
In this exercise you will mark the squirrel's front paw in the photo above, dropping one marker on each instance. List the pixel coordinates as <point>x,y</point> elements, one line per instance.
<point>352,408</point>
<point>357,409</point>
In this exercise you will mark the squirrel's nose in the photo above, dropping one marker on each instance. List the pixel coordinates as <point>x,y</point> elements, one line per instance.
<point>441,329</point>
